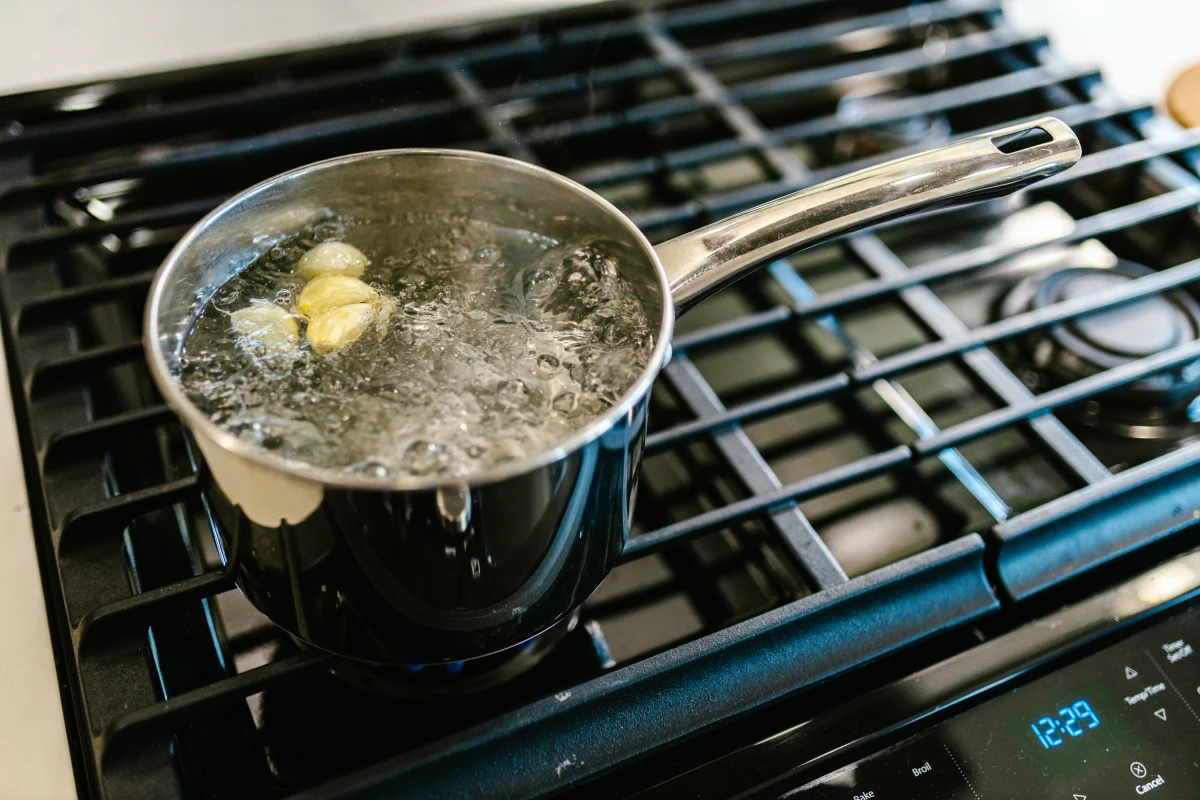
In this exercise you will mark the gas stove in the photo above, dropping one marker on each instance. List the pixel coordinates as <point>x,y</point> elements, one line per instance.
<point>890,460</point>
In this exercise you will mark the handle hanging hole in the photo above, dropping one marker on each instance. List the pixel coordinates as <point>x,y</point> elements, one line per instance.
<point>1022,140</point>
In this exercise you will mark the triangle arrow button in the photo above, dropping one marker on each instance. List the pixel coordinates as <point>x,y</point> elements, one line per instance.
<point>1161,714</point>
<point>1079,796</point>
<point>1130,673</point>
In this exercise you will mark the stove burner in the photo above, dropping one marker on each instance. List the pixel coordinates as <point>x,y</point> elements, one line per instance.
<point>455,678</point>
<point>922,130</point>
<point>1162,408</point>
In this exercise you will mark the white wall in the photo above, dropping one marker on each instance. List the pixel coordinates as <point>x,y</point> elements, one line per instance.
<point>55,42</point>
<point>1140,44</point>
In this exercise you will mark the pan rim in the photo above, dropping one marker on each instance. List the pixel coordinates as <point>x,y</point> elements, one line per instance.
<point>199,423</point>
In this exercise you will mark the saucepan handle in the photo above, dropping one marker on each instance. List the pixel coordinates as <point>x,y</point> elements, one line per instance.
<point>976,168</point>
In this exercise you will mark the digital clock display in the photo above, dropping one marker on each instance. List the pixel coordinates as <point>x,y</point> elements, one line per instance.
<point>1042,740</point>
<point>1070,722</point>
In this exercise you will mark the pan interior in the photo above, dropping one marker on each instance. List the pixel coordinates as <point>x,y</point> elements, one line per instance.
<point>409,194</point>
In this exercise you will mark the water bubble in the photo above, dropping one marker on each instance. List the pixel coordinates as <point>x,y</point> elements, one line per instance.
<point>613,334</point>
<point>421,457</point>
<point>373,469</point>
<point>593,404</point>
<point>539,282</point>
<point>476,450</point>
<point>513,393</point>
<point>285,254</point>
<point>605,267</point>
<point>547,364</point>
<point>564,403</point>
<point>488,255</point>
<point>329,231</point>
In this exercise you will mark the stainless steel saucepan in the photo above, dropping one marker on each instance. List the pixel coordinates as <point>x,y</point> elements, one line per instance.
<point>435,570</point>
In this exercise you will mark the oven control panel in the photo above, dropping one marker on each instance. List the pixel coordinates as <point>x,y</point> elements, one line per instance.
<point>1121,724</point>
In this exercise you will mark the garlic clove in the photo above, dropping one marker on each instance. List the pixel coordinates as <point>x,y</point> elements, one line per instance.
<point>267,324</point>
<point>328,292</point>
<point>332,258</point>
<point>385,307</point>
<point>338,327</point>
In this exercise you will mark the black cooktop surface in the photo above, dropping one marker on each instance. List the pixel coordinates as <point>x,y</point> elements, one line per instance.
<point>914,434</point>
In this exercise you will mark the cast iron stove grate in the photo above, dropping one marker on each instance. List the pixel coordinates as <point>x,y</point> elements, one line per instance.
<point>847,453</point>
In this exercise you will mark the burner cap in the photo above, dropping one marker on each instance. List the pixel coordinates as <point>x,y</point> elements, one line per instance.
<point>1088,345</point>
<point>1129,332</point>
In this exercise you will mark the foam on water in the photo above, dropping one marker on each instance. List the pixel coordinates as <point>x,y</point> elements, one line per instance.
<point>503,343</point>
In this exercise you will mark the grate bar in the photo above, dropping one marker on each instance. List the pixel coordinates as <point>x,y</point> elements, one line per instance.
<point>826,481</point>
<point>984,363</point>
<point>327,130</point>
<point>740,453</point>
<point>895,396</point>
<point>112,515</point>
<point>968,46</point>
<point>737,200</point>
<point>1089,166</point>
<point>81,366</point>
<point>614,122</point>
<point>1028,321</point>
<point>86,435</point>
<point>967,261</point>
<point>171,711</point>
<point>982,91</point>
<point>250,99</point>
<point>788,165</point>
<point>684,213</point>
<point>171,214</point>
<point>1172,175</point>
<point>733,329</point>
<point>729,202</point>
<point>599,77</point>
<point>1055,398</point>
<point>957,49</point>
<point>971,94</point>
<point>652,165</point>
<point>795,531</point>
<point>141,609</point>
<point>250,103</point>
<point>714,12</point>
<point>1124,155</point>
<point>498,127</point>
<point>1097,524</point>
<point>49,306</point>
<point>827,35</point>
<point>1056,510</point>
<point>747,412</point>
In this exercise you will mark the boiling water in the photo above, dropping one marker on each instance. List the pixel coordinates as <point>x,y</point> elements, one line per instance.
<point>502,343</point>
